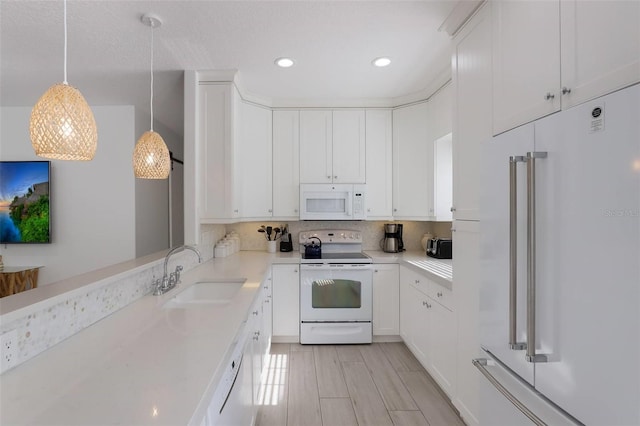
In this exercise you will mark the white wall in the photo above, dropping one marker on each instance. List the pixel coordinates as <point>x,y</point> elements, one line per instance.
<point>152,195</point>
<point>92,203</point>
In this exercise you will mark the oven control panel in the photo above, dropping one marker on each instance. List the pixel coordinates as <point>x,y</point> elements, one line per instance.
<point>332,236</point>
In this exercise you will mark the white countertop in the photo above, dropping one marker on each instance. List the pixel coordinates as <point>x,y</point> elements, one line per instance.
<point>149,365</point>
<point>438,270</point>
<point>139,361</point>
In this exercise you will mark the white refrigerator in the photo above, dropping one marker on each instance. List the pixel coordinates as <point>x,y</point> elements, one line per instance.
<point>560,261</point>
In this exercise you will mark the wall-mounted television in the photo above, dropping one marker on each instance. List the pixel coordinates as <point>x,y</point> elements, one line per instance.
<point>25,189</point>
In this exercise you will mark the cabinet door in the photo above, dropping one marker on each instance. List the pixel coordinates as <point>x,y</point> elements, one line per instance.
<point>316,147</point>
<point>440,127</point>
<point>526,62</point>
<point>600,45</point>
<point>254,150</point>
<point>286,301</point>
<point>267,321</point>
<point>216,103</point>
<point>379,137</point>
<point>412,168</point>
<point>443,178</point>
<point>386,302</point>
<point>348,146</point>
<point>472,117</point>
<point>442,347</point>
<point>286,164</point>
<point>466,273</point>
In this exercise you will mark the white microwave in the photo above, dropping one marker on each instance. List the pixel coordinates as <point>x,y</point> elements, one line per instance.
<point>325,201</point>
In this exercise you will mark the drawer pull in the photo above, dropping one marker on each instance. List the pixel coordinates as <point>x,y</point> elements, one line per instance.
<point>439,294</point>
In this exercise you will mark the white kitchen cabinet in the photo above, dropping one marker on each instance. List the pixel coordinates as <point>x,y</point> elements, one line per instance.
<point>412,164</point>
<point>286,164</point>
<point>386,299</point>
<point>472,117</point>
<point>439,127</point>
<point>316,146</point>
<point>218,108</point>
<point>254,170</point>
<point>414,319</point>
<point>379,164</point>
<point>526,61</point>
<point>286,302</point>
<point>599,46</point>
<point>466,273</point>
<point>349,146</point>
<point>552,55</point>
<point>332,146</point>
<point>443,344</point>
<point>267,320</point>
<point>428,326</point>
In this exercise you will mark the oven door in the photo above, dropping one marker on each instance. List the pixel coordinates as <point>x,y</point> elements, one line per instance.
<point>336,292</point>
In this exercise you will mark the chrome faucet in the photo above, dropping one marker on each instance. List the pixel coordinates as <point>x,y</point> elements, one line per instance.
<point>169,281</point>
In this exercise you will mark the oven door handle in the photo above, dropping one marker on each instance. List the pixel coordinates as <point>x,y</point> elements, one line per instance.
<point>336,267</point>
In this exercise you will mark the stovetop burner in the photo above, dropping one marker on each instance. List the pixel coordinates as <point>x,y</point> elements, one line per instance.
<point>338,246</point>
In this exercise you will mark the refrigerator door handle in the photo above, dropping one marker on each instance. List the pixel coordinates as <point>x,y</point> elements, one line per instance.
<point>513,252</point>
<point>480,364</point>
<point>531,355</point>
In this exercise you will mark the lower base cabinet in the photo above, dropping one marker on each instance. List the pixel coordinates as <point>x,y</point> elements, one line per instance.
<point>286,302</point>
<point>428,326</point>
<point>386,304</point>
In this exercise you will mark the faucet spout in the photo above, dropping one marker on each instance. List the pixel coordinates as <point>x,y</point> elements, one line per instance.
<point>167,283</point>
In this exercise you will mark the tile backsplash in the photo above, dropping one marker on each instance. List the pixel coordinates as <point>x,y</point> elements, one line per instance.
<point>372,232</point>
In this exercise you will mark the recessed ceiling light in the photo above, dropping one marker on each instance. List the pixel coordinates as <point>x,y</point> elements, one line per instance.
<point>381,62</point>
<point>284,62</point>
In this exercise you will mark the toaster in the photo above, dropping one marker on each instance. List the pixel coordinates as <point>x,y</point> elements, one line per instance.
<point>440,248</point>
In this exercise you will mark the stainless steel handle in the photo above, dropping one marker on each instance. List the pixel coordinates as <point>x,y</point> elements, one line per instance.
<point>328,177</point>
<point>255,312</point>
<point>453,209</point>
<point>549,96</point>
<point>513,252</point>
<point>566,90</point>
<point>426,304</point>
<point>531,257</point>
<point>439,294</point>
<point>480,364</point>
<point>335,177</point>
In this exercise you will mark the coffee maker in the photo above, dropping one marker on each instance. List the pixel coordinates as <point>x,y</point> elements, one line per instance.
<point>392,242</point>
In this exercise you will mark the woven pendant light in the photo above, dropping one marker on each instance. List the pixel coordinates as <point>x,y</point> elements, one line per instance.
<point>62,126</point>
<point>151,159</point>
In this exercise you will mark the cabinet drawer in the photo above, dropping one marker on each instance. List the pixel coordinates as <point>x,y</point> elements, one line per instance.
<point>440,294</point>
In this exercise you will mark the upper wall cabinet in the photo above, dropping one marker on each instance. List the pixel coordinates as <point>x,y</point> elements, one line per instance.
<point>440,137</point>
<point>526,61</point>
<point>332,146</point>
<point>379,135</point>
<point>412,163</point>
<point>286,164</point>
<point>472,117</point>
<point>254,149</point>
<point>556,54</point>
<point>218,108</point>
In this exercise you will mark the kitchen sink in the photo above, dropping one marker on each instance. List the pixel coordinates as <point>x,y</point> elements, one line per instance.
<point>215,292</point>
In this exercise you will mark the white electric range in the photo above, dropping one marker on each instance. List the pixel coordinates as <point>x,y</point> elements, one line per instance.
<point>335,289</point>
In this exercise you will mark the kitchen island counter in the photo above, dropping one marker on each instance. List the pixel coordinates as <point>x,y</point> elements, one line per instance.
<point>144,364</point>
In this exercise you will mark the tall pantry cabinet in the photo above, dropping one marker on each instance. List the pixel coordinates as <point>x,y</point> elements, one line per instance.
<point>472,121</point>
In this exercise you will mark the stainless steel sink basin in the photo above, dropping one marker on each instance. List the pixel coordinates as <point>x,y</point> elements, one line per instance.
<point>215,292</point>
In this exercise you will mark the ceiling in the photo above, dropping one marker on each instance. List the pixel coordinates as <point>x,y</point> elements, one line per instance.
<point>332,42</point>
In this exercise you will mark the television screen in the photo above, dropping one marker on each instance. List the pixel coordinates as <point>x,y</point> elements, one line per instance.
<point>24,202</point>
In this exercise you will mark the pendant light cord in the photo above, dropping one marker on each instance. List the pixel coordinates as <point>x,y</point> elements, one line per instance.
<point>65,42</point>
<point>151,98</point>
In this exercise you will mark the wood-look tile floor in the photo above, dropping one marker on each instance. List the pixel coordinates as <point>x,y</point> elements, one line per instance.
<point>350,385</point>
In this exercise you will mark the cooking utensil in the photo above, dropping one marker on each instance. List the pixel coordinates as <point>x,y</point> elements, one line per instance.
<point>269,231</point>
<point>313,250</point>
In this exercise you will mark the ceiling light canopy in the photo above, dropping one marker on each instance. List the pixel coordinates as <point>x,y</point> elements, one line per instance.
<point>381,62</point>
<point>151,158</point>
<point>62,126</point>
<point>284,62</point>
